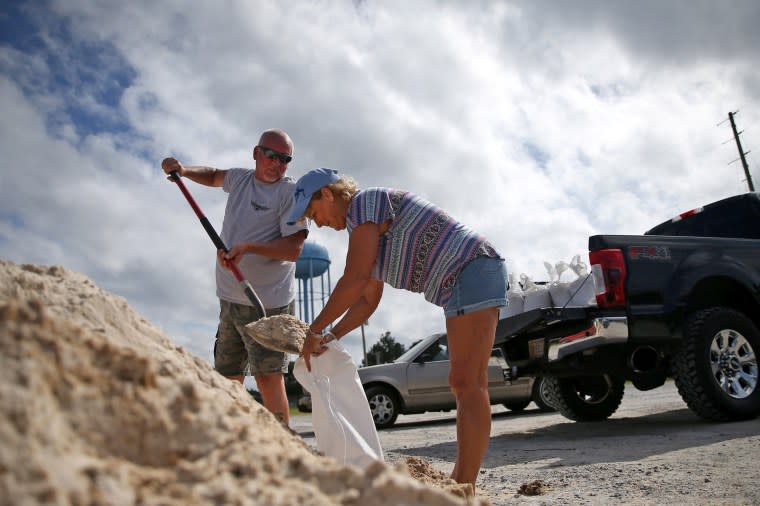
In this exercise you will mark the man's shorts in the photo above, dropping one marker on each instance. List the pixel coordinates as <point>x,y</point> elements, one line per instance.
<point>234,350</point>
<point>481,283</point>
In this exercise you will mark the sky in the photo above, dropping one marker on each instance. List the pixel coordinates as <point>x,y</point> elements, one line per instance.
<point>537,123</point>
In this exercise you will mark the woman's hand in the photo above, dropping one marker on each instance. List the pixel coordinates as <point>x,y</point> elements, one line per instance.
<point>313,345</point>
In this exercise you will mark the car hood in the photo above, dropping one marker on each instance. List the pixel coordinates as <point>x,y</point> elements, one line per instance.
<point>382,371</point>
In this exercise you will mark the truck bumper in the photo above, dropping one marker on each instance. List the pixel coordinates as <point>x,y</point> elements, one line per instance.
<point>603,331</point>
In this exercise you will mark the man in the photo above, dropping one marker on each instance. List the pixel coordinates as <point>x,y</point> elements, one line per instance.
<point>265,249</point>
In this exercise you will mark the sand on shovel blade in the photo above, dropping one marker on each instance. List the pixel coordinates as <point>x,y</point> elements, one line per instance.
<point>279,332</point>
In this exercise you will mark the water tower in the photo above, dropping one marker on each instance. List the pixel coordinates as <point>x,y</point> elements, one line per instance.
<point>313,263</point>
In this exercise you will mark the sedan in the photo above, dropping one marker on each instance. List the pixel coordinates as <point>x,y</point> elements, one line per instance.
<point>417,381</point>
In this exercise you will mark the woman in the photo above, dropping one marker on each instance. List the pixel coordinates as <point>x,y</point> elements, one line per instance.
<point>400,239</point>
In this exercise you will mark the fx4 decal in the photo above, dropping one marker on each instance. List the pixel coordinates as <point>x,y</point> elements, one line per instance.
<point>648,253</point>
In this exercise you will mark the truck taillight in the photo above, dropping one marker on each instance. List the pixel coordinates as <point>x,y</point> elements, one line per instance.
<point>608,268</point>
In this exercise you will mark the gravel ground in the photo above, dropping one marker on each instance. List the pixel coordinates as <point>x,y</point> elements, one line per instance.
<point>653,450</point>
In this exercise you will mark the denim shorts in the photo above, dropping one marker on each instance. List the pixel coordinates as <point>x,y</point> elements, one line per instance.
<point>481,283</point>
<point>234,350</point>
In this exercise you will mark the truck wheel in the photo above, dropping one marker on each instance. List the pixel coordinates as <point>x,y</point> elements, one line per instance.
<point>384,406</point>
<point>541,395</point>
<point>716,368</point>
<point>587,398</point>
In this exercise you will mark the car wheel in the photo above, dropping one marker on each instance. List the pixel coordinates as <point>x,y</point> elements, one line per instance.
<point>716,368</point>
<point>384,406</point>
<point>304,404</point>
<point>516,406</point>
<point>586,398</point>
<point>541,396</point>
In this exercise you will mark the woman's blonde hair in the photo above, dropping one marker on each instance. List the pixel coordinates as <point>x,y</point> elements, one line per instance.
<point>345,188</point>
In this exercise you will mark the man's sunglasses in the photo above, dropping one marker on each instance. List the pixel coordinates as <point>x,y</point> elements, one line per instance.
<point>272,154</point>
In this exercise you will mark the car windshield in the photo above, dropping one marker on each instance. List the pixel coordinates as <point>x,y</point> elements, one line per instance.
<point>412,352</point>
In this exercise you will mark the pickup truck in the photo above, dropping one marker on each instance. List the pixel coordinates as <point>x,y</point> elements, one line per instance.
<point>681,301</point>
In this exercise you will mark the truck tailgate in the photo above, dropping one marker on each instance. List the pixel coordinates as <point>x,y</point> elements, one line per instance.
<point>540,319</point>
<point>550,334</point>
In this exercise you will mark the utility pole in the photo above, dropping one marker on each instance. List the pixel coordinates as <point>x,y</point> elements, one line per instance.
<point>364,344</point>
<point>741,152</point>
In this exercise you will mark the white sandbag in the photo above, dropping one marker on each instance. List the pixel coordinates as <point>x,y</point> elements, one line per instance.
<point>551,271</point>
<point>560,268</point>
<point>340,415</point>
<point>558,290</point>
<point>559,293</point>
<point>582,292</point>
<point>579,292</point>
<point>515,299</point>
<point>535,296</point>
<point>516,305</point>
<point>578,266</point>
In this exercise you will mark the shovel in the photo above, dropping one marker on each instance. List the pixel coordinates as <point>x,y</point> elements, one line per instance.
<point>244,284</point>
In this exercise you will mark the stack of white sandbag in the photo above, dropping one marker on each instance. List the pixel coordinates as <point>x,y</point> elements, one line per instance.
<point>524,296</point>
<point>559,291</point>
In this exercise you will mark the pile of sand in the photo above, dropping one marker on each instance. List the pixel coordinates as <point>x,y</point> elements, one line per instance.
<point>99,407</point>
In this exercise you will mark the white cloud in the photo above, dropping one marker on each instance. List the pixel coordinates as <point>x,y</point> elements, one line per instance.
<point>537,124</point>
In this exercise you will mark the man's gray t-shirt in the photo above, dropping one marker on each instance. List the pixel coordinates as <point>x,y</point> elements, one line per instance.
<point>257,212</point>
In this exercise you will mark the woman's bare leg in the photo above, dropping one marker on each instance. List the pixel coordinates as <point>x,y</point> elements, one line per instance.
<point>471,338</point>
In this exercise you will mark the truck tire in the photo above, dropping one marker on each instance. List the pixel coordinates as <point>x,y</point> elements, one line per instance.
<point>384,406</point>
<point>586,398</point>
<point>716,369</point>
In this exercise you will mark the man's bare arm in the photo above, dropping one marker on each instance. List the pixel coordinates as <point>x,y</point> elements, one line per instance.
<point>285,248</point>
<point>207,176</point>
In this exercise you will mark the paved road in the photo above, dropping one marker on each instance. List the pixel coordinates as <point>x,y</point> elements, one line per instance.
<point>653,450</point>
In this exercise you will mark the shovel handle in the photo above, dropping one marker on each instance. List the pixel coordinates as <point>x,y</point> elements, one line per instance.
<point>244,284</point>
<point>204,221</point>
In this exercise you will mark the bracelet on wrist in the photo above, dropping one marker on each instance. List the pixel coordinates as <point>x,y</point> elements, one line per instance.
<point>324,336</point>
